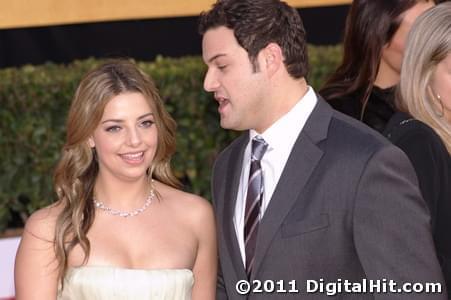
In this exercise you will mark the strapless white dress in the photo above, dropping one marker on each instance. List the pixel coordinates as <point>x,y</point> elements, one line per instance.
<point>112,283</point>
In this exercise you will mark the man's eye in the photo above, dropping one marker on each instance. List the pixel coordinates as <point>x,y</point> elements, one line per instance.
<point>222,67</point>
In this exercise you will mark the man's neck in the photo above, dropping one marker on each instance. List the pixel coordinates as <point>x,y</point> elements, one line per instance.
<point>283,98</point>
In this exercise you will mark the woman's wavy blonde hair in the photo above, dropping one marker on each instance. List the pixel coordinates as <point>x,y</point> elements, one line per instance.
<point>428,43</point>
<point>77,169</point>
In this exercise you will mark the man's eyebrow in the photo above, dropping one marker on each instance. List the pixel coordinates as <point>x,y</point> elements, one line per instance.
<point>216,56</point>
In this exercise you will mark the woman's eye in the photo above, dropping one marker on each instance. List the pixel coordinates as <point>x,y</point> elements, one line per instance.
<point>113,129</point>
<point>222,67</point>
<point>147,123</point>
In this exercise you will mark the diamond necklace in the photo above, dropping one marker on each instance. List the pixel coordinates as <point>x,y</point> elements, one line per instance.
<point>125,214</point>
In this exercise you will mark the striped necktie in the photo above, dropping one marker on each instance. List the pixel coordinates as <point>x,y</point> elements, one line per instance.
<point>253,201</point>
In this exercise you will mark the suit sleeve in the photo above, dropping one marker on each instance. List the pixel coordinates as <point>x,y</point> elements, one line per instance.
<point>391,226</point>
<point>220,287</point>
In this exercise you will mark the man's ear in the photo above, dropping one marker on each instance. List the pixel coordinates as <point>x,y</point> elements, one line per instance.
<point>91,142</point>
<point>273,58</point>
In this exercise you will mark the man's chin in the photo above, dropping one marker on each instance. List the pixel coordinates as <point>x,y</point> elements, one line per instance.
<point>226,124</point>
<point>231,126</point>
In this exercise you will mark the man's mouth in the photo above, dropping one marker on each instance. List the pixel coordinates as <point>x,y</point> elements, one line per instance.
<point>222,102</point>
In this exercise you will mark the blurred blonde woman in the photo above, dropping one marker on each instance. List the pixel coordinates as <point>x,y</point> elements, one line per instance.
<point>121,228</point>
<point>422,128</point>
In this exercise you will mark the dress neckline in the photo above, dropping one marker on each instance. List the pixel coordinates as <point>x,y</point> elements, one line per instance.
<point>73,269</point>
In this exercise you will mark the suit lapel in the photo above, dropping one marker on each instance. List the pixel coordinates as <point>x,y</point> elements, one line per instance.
<point>230,196</point>
<point>303,159</point>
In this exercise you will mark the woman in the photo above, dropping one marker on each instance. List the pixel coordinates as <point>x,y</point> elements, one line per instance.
<point>423,127</point>
<point>121,229</point>
<point>375,33</point>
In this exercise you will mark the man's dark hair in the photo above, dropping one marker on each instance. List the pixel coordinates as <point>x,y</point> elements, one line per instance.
<point>256,23</point>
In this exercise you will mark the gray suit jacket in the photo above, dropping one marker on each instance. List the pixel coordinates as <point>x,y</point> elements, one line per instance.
<point>346,207</point>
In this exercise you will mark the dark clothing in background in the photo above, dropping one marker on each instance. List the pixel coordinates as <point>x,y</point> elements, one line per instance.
<point>378,111</point>
<point>432,163</point>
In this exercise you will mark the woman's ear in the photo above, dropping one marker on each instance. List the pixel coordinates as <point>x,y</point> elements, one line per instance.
<point>91,142</point>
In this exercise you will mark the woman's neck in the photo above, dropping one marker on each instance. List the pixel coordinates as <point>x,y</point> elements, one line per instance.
<point>123,195</point>
<point>386,76</point>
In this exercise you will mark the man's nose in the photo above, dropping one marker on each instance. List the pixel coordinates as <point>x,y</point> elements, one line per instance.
<point>210,81</point>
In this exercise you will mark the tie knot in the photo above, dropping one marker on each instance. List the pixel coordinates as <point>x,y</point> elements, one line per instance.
<point>259,147</point>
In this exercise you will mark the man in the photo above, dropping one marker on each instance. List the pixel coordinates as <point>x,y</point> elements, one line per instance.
<point>306,197</point>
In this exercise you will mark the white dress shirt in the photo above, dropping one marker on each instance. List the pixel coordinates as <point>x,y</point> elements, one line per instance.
<point>280,137</point>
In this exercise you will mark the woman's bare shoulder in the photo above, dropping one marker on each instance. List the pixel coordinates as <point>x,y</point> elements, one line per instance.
<point>41,223</point>
<point>36,267</point>
<point>192,205</point>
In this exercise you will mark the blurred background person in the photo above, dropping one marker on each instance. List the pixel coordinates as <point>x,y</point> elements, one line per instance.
<point>422,128</point>
<point>121,229</point>
<point>375,33</point>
